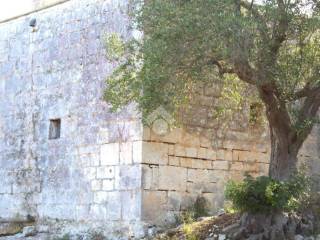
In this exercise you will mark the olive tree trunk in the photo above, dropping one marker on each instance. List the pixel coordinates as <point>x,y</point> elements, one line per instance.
<point>285,143</point>
<point>283,156</point>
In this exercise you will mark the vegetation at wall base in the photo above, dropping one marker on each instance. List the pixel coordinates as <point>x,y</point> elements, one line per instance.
<point>196,210</point>
<point>267,195</point>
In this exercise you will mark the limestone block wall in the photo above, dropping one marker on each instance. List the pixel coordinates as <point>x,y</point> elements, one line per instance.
<point>198,159</point>
<point>180,166</point>
<point>71,164</point>
<point>64,158</point>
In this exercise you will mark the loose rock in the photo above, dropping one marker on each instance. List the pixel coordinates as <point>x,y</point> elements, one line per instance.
<point>29,231</point>
<point>11,228</point>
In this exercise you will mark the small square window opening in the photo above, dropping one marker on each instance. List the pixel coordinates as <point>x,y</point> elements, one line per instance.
<point>54,128</point>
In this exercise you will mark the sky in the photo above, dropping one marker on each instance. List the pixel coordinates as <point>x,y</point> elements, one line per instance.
<point>10,8</point>
<point>14,7</point>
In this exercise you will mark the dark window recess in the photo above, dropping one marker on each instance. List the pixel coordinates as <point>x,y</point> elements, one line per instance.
<point>54,128</point>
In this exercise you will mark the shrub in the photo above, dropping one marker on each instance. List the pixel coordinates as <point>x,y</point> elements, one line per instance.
<point>198,209</point>
<point>185,217</point>
<point>228,207</point>
<point>265,195</point>
<point>189,232</point>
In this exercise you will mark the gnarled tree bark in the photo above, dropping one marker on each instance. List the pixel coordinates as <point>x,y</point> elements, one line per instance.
<point>287,137</point>
<point>283,156</point>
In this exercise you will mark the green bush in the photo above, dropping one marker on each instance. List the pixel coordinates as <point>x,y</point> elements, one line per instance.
<point>264,194</point>
<point>198,209</point>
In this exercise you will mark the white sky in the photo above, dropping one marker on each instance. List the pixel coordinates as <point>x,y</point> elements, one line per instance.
<point>10,8</point>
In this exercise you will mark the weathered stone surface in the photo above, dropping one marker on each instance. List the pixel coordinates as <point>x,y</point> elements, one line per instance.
<point>126,153</point>
<point>56,72</point>
<point>105,169</point>
<point>10,228</point>
<point>172,178</point>
<point>154,203</point>
<point>155,153</point>
<point>29,231</point>
<point>110,154</point>
<point>174,161</point>
<point>178,201</point>
<point>220,165</point>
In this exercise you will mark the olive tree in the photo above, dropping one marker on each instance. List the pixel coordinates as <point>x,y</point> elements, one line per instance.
<point>269,46</point>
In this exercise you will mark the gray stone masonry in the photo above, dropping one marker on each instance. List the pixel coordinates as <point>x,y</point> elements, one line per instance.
<point>73,166</point>
<point>84,177</point>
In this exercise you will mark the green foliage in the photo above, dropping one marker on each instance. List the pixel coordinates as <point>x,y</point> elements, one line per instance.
<point>229,208</point>
<point>198,209</point>
<point>123,86</point>
<point>189,232</point>
<point>265,194</point>
<point>185,217</point>
<point>256,110</point>
<point>264,51</point>
<point>115,47</point>
<point>184,40</point>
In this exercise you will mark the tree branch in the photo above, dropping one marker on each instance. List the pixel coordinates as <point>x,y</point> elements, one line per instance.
<point>307,115</point>
<point>308,89</point>
<point>241,68</point>
<point>244,71</point>
<point>262,27</point>
<point>222,70</point>
<point>276,110</point>
<point>281,27</point>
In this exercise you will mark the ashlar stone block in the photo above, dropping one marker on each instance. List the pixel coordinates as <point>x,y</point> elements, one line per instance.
<point>220,165</point>
<point>180,201</point>
<point>137,151</point>
<point>172,178</point>
<point>105,172</point>
<point>154,204</point>
<point>128,177</point>
<point>174,161</point>
<point>96,185</point>
<point>201,176</point>
<point>211,154</point>
<point>191,152</point>
<point>202,153</point>
<point>131,205</point>
<point>126,153</point>
<point>114,206</point>
<point>108,184</point>
<point>155,153</point>
<point>110,154</point>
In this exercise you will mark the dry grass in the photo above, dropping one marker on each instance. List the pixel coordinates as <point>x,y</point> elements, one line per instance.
<point>199,230</point>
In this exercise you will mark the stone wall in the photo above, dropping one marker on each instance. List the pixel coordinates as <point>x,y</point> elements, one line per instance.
<point>68,162</point>
<point>82,175</point>
<point>181,166</point>
<point>198,159</point>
